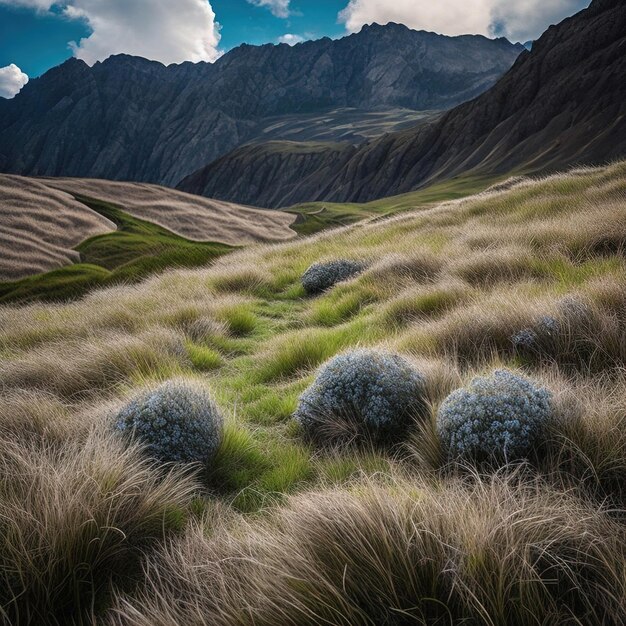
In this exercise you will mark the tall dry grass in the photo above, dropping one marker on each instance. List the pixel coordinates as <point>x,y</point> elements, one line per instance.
<point>448,287</point>
<point>495,551</point>
<point>77,511</point>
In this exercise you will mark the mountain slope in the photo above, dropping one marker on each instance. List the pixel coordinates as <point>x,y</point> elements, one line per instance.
<point>563,103</point>
<point>132,119</point>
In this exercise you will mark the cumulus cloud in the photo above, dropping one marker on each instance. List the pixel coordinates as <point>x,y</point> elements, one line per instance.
<point>12,79</point>
<point>166,31</point>
<point>527,19</point>
<point>291,39</point>
<point>163,30</point>
<point>519,21</point>
<point>279,8</point>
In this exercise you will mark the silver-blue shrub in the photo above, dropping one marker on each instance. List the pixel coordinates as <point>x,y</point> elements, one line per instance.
<point>496,417</point>
<point>362,394</point>
<point>177,422</point>
<point>540,339</point>
<point>322,276</point>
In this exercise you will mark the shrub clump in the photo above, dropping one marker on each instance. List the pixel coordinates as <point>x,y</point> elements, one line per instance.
<point>322,276</point>
<point>497,417</point>
<point>177,421</point>
<point>538,339</point>
<point>362,394</point>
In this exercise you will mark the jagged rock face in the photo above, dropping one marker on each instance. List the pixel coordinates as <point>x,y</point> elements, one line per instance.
<point>132,119</point>
<point>562,104</point>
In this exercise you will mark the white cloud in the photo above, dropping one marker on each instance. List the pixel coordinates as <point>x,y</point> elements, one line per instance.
<point>12,79</point>
<point>291,39</point>
<point>38,5</point>
<point>519,21</point>
<point>279,8</point>
<point>162,30</point>
<point>170,31</point>
<point>527,19</point>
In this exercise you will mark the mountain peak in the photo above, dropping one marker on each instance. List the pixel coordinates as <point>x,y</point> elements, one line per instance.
<point>389,26</point>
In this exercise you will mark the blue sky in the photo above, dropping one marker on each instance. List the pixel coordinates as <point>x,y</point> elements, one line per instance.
<point>36,41</point>
<point>36,35</point>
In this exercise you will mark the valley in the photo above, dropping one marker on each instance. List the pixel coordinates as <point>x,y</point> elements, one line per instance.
<point>331,333</point>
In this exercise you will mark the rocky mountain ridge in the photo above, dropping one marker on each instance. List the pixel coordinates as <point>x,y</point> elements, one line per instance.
<point>561,104</point>
<point>132,119</point>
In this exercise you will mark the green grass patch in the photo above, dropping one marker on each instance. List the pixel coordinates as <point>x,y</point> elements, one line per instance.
<point>314,217</point>
<point>414,305</point>
<point>339,469</point>
<point>340,305</point>
<point>571,274</point>
<point>203,358</point>
<point>300,351</point>
<point>239,462</point>
<point>292,467</point>
<point>241,320</point>
<point>273,405</point>
<point>65,283</point>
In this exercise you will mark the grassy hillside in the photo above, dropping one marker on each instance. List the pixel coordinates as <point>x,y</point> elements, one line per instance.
<point>135,250</point>
<point>140,248</point>
<point>278,530</point>
<point>314,217</point>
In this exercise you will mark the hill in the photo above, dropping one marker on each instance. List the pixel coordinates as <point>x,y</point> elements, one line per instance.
<point>60,238</point>
<point>528,276</point>
<point>562,103</point>
<point>40,227</point>
<point>192,217</point>
<point>132,119</point>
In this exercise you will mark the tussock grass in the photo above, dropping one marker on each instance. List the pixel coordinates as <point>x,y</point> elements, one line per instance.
<point>203,358</point>
<point>400,552</point>
<point>491,266</point>
<point>75,520</point>
<point>283,533</point>
<point>417,304</point>
<point>72,368</point>
<point>341,304</point>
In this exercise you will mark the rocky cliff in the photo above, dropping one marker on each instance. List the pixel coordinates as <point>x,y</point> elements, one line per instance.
<point>132,119</point>
<point>563,103</point>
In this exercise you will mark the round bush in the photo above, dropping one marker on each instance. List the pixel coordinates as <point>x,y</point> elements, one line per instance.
<point>498,417</point>
<point>362,394</point>
<point>176,421</point>
<point>322,276</point>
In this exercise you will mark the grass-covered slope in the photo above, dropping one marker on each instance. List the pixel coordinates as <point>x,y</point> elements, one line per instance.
<point>281,531</point>
<point>135,250</point>
<point>41,226</point>
<point>314,217</point>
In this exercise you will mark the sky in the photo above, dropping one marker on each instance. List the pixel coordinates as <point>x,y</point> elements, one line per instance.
<point>36,35</point>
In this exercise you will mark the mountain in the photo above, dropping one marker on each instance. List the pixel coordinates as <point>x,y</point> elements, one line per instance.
<point>132,119</point>
<point>563,103</point>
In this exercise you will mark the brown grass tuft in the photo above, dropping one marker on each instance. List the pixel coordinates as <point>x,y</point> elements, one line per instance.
<point>488,552</point>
